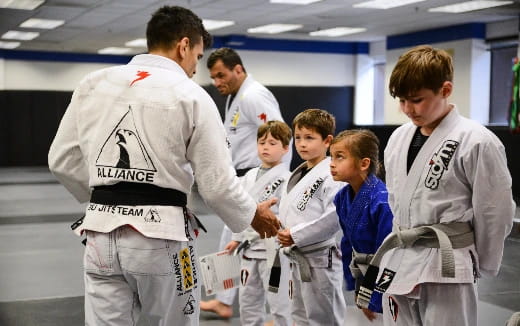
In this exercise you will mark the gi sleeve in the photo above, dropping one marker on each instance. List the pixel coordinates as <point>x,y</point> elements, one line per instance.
<point>66,161</point>
<point>210,159</point>
<point>492,201</point>
<point>345,245</point>
<point>326,224</point>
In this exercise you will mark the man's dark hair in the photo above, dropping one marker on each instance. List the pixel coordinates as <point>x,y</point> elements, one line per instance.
<point>228,56</point>
<point>169,24</point>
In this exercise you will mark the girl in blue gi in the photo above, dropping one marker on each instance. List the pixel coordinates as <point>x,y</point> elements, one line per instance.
<point>362,205</point>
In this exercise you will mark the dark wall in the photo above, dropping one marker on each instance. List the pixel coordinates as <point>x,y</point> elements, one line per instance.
<point>30,118</point>
<point>28,123</point>
<point>337,100</point>
<point>503,133</point>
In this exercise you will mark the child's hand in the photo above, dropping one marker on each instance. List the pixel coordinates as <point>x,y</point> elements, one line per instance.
<point>369,314</point>
<point>231,246</point>
<point>285,238</point>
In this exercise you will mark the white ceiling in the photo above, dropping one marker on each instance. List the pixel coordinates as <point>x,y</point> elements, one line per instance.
<point>94,24</point>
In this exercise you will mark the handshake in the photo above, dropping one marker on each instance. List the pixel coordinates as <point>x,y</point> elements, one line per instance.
<point>265,222</point>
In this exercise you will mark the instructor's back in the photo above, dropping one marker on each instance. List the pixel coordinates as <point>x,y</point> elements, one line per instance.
<point>131,143</point>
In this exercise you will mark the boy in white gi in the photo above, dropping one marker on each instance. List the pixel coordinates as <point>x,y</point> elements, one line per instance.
<point>308,214</point>
<point>450,192</point>
<point>132,141</point>
<point>264,182</point>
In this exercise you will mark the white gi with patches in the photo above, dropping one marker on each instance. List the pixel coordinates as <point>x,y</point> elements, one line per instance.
<point>252,106</point>
<point>253,292</point>
<point>459,175</point>
<point>308,210</point>
<point>146,122</point>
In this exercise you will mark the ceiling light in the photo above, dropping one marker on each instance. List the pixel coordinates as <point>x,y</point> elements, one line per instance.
<point>295,2</point>
<point>42,23</point>
<point>337,31</point>
<point>274,28</point>
<point>9,45</point>
<point>137,43</point>
<point>114,50</point>
<point>24,36</point>
<point>384,4</point>
<point>21,4</point>
<point>216,24</point>
<point>469,6</point>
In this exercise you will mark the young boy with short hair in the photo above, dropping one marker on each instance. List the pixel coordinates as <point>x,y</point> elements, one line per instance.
<point>450,191</point>
<point>262,183</point>
<point>308,214</point>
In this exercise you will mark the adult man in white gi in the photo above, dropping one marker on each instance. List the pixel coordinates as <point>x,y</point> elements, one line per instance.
<point>249,104</point>
<point>131,142</point>
<point>450,191</point>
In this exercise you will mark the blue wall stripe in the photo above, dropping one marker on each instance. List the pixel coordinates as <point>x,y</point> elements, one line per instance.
<point>240,42</point>
<point>63,56</point>
<point>437,35</point>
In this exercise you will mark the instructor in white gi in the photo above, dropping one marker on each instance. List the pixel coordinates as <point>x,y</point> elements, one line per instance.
<point>131,142</point>
<point>448,182</point>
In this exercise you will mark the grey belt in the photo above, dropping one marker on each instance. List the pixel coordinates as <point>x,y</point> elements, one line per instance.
<point>446,237</point>
<point>296,255</point>
<point>359,265</point>
<point>248,238</point>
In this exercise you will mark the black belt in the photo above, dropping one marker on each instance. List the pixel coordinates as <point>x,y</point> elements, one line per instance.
<point>242,172</point>
<point>134,194</point>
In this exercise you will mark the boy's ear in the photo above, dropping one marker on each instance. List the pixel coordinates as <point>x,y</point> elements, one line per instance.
<point>285,148</point>
<point>328,140</point>
<point>447,89</point>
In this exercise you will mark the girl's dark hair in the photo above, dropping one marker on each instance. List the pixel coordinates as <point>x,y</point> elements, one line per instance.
<point>361,143</point>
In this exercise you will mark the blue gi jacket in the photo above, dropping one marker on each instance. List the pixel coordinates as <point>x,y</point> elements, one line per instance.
<point>366,220</point>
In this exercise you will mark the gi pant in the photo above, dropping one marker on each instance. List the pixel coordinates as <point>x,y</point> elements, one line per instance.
<point>128,275</point>
<point>432,304</point>
<point>321,301</point>
<point>253,293</point>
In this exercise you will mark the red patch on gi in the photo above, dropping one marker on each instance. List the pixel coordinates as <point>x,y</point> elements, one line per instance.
<point>393,307</point>
<point>244,275</point>
<point>262,116</point>
<point>141,75</point>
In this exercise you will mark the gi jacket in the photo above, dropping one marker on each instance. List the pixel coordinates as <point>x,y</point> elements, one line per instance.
<point>147,122</point>
<point>307,207</point>
<point>268,186</point>
<point>252,106</point>
<point>459,175</point>
<point>366,220</point>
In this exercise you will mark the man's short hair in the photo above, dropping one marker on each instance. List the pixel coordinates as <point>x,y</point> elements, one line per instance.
<point>421,67</point>
<point>278,129</point>
<point>318,120</point>
<point>229,57</point>
<point>169,24</point>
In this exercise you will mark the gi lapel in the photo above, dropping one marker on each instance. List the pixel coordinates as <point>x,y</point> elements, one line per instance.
<point>421,164</point>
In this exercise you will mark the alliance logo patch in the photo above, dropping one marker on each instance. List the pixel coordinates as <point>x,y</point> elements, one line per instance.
<point>439,163</point>
<point>393,307</point>
<point>123,155</point>
<point>307,195</point>
<point>152,216</point>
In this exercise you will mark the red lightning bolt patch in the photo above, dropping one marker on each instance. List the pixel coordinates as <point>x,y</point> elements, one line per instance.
<point>263,117</point>
<point>142,75</point>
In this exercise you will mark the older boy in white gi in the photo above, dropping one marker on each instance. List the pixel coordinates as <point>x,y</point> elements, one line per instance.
<point>450,192</point>
<point>131,142</point>
<point>309,216</point>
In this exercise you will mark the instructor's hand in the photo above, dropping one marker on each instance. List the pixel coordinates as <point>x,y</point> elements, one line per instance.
<point>265,222</point>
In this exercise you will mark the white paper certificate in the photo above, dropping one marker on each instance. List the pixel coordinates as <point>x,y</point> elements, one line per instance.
<point>220,271</point>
